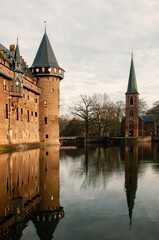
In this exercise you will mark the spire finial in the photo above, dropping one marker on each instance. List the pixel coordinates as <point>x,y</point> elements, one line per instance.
<point>132,53</point>
<point>45,26</point>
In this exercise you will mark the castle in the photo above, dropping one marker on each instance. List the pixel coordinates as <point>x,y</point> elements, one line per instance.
<point>133,123</point>
<point>29,103</point>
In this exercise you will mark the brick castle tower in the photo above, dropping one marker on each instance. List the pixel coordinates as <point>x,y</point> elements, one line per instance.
<point>132,104</point>
<point>49,74</point>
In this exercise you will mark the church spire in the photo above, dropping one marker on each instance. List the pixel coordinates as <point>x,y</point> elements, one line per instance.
<point>132,84</point>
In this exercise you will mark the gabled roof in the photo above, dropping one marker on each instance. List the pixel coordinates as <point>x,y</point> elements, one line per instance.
<point>147,118</point>
<point>132,84</point>
<point>45,56</point>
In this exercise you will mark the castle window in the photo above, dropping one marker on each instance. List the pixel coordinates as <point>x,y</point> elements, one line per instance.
<point>31,116</point>
<point>131,101</point>
<point>45,120</point>
<point>36,117</point>
<point>131,113</point>
<point>11,86</point>
<point>27,115</point>
<point>36,100</point>
<point>45,103</point>
<point>131,125</point>
<point>47,136</point>
<point>55,70</point>
<point>4,85</point>
<point>6,111</point>
<point>17,114</point>
<point>21,116</point>
<point>52,90</point>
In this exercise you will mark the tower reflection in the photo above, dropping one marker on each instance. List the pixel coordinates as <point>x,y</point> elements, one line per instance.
<point>131,177</point>
<point>29,190</point>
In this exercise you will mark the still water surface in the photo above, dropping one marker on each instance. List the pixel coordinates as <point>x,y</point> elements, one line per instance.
<point>93,193</point>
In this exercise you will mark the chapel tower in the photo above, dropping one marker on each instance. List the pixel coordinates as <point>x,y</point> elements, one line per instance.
<point>49,74</point>
<point>132,104</point>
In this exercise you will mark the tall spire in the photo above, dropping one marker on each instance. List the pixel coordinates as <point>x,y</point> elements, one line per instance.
<point>132,84</point>
<point>17,52</point>
<point>45,56</point>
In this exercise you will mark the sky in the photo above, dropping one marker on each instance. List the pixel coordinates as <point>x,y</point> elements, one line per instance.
<point>92,41</point>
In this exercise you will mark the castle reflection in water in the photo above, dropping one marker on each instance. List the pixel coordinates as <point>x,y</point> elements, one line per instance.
<point>29,189</point>
<point>29,183</point>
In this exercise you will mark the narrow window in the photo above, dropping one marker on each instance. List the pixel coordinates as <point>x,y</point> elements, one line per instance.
<point>131,101</point>
<point>6,111</point>
<point>21,116</point>
<point>45,120</point>
<point>36,117</point>
<point>52,90</point>
<point>131,113</point>
<point>31,116</point>
<point>11,86</point>
<point>45,103</point>
<point>47,136</point>
<point>17,114</point>
<point>27,95</point>
<point>17,87</point>
<point>131,125</point>
<point>4,85</point>
<point>28,115</point>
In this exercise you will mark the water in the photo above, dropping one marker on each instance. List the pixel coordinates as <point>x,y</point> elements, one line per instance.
<point>93,193</point>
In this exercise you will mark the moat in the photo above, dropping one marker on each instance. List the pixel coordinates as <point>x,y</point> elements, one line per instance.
<point>80,193</point>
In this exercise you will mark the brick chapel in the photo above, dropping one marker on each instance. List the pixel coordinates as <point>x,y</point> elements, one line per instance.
<point>29,102</point>
<point>133,123</point>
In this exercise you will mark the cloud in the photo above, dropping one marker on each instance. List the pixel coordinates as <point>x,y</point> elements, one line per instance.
<point>92,41</point>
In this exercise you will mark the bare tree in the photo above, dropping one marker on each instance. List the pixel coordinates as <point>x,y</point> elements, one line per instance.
<point>83,110</point>
<point>143,107</point>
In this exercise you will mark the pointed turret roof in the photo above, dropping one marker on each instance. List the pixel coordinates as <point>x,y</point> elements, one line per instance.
<point>45,56</point>
<point>17,52</point>
<point>132,84</point>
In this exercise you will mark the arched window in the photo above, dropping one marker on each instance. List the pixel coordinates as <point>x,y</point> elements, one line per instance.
<point>131,101</point>
<point>131,113</point>
<point>131,125</point>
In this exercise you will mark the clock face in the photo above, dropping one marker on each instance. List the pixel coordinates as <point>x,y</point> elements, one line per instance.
<point>49,69</point>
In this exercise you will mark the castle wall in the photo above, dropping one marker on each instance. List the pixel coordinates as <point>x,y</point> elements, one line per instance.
<point>19,121</point>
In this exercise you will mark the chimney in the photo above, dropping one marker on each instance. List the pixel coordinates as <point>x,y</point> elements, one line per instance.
<point>12,48</point>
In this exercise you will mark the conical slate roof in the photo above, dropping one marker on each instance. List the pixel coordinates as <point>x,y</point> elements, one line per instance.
<point>132,84</point>
<point>17,52</point>
<point>45,56</point>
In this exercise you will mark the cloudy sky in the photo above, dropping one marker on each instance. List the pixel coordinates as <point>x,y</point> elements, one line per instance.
<point>92,41</point>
